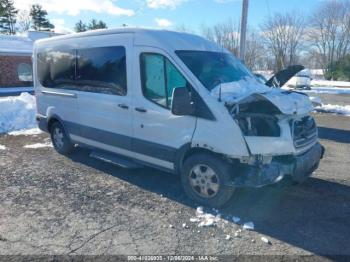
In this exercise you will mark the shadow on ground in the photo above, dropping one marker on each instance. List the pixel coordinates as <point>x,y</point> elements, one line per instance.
<point>313,216</point>
<point>334,134</point>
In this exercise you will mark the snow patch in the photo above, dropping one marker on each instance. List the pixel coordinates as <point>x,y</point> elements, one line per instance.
<point>328,90</point>
<point>330,83</point>
<point>232,92</point>
<point>2,147</point>
<point>39,145</point>
<point>26,132</point>
<point>265,240</point>
<point>248,226</point>
<point>205,219</point>
<point>235,219</point>
<point>337,109</point>
<point>17,113</point>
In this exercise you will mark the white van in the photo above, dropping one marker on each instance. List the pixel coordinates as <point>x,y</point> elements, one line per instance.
<point>176,102</point>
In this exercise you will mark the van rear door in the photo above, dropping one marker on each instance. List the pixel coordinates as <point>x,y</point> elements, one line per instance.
<point>54,67</point>
<point>158,134</point>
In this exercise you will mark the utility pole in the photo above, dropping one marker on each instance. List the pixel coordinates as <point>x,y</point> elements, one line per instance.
<point>243,29</point>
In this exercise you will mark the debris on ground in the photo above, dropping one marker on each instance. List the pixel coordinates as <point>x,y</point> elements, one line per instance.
<point>265,240</point>
<point>248,226</point>
<point>199,211</point>
<point>238,233</point>
<point>228,237</point>
<point>206,219</point>
<point>184,225</point>
<point>235,219</point>
<point>2,147</point>
<point>171,226</point>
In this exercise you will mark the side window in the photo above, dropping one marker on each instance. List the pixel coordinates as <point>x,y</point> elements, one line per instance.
<point>25,72</point>
<point>158,78</point>
<point>99,70</point>
<point>102,70</point>
<point>56,68</point>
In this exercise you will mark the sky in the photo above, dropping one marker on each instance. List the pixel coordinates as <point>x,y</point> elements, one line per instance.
<point>169,14</point>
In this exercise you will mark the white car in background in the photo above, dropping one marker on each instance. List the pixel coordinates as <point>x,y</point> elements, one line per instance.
<point>301,80</point>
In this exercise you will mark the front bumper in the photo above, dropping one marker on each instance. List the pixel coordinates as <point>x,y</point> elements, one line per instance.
<point>298,167</point>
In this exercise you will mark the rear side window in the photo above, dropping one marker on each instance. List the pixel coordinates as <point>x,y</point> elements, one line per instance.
<point>98,70</point>
<point>56,68</point>
<point>159,78</point>
<point>102,70</point>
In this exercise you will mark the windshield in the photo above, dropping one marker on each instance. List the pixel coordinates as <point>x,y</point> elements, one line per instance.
<point>213,68</point>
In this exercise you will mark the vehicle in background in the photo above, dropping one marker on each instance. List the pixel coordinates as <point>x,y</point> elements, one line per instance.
<point>301,80</point>
<point>176,102</point>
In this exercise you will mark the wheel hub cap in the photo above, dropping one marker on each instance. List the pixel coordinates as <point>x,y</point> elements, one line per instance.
<point>204,181</point>
<point>58,137</point>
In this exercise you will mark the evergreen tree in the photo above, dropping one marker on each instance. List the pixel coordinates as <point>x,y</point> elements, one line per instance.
<point>39,20</point>
<point>94,24</point>
<point>8,15</point>
<point>80,27</point>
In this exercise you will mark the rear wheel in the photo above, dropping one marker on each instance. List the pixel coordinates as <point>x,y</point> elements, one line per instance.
<point>60,140</point>
<point>205,179</point>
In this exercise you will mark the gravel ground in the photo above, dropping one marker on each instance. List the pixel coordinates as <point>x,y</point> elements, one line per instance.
<point>51,204</point>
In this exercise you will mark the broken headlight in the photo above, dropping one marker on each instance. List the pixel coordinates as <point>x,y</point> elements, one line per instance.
<point>258,125</point>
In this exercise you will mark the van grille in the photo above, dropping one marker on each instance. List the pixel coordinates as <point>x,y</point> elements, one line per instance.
<point>304,132</point>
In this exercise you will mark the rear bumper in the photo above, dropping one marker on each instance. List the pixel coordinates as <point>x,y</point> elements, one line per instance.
<point>42,122</point>
<point>298,167</point>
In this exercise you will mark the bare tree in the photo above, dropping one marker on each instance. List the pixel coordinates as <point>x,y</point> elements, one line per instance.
<point>255,54</point>
<point>24,21</point>
<point>225,34</point>
<point>283,35</point>
<point>330,31</point>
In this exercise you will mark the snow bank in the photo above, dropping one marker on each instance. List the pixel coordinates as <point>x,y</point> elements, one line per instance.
<point>328,90</point>
<point>17,113</point>
<point>338,109</point>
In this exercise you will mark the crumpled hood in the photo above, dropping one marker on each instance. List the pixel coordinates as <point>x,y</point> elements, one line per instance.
<point>287,102</point>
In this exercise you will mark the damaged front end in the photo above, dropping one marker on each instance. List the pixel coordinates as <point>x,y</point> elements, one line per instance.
<point>281,137</point>
<point>299,168</point>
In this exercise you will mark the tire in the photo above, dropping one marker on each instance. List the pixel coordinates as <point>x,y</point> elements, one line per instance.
<point>203,165</point>
<point>60,140</point>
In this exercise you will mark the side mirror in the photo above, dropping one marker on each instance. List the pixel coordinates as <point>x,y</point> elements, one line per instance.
<point>182,104</point>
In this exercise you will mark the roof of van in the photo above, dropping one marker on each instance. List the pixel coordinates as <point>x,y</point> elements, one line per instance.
<point>150,37</point>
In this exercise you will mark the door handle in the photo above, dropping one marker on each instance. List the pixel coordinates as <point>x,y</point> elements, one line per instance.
<point>123,106</point>
<point>141,110</point>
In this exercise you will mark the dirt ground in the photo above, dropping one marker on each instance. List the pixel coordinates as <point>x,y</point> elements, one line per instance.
<point>51,204</point>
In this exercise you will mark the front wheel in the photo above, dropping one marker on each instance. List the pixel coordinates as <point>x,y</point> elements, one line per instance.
<point>60,140</point>
<point>205,179</point>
